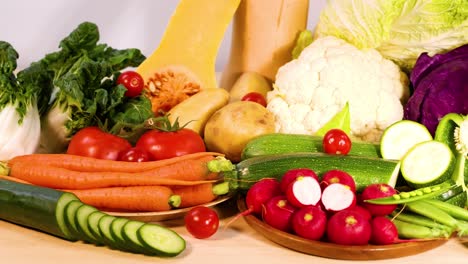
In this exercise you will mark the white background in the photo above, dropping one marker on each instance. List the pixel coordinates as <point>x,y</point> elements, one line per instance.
<point>35,27</point>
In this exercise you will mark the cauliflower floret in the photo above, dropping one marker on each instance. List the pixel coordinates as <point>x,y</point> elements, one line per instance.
<point>311,89</point>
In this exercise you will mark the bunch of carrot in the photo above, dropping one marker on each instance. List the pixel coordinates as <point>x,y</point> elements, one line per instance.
<point>123,186</point>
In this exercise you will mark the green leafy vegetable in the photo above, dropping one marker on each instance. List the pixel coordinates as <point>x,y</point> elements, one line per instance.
<point>304,39</point>
<point>340,120</point>
<point>400,29</point>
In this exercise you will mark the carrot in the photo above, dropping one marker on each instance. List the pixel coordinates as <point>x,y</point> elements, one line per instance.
<point>132,198</point>
<point>80,163</point>
<point>188,172</point>
<point>195,194</point>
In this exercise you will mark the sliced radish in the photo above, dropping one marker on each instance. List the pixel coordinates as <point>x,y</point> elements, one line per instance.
<point>337,197</point>
<point>305,190</point>
<point>292,175</point>
<point>338,176</point>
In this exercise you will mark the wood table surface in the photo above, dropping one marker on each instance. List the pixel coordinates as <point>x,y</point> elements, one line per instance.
<point>238,243</point>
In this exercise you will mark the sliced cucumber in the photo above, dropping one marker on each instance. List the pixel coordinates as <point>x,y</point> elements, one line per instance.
<point>130,235</point>
<point>427,163</point>
<point>81,218</point>
<point>399,137</point>
<point>104,225</point>
<point>161,240</point>
<point>93,225</point>
<point>116,232</point>
<point>70,212</point>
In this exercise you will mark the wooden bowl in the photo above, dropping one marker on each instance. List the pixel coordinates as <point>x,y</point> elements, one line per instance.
<point>335,251</point>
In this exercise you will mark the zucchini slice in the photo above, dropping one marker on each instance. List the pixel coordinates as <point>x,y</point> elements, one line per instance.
<point>35,207</point>
<point>427,163</point>
<point>399,137</point>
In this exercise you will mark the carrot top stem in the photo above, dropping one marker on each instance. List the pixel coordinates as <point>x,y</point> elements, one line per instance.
<point>174,201</point>
<point>220,164</point>
<point>221,188</point>
<point>4,169</point>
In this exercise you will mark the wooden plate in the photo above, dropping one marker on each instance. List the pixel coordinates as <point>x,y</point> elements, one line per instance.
<point>335,251</point>
<point>165,215</point>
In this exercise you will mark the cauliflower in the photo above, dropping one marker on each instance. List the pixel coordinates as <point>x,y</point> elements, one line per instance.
<point>311,89</point>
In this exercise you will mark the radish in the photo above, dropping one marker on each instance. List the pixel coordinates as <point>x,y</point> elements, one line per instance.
<point>309,222</point>
<point>338,176</point>
<point>304,190</point>
<point>378,190</point>
<point>277,212</point>
<point>384,232</point>
<point>337,197</point>
<point>292,174</point>
<point>362,210</point>
<point>349,227</point>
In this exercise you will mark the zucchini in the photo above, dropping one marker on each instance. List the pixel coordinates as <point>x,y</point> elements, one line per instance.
<point>278,143</point>
<point>36,207</point>
<point>399,137</point>
<point>364,170</point>
<point>427,163</point>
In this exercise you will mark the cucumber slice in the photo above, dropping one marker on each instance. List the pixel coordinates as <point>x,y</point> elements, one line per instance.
<point>93,225</point>
<point>70,213</point>
<point>130,235</point>
<point>161,240</point>
<point>81,218</point>
<point>399,137</point>
<point>116,232</point>
<point>104,225</point>
<point>427,163</point>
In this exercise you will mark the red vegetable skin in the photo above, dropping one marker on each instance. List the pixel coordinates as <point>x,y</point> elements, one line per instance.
<point>95,143</point>
<point>165,145</point>
<point>309,222</point>
<point>259,193</point>
<point>336,142</point>
<point>337,197</point>
<point>277,212</point>
<point>135,155</point>
<point>362,210</point>
<point>303,191</point>
<point>292,174</point>
<point>338,176</point>
<point>378,190</point>
<point>255,97</point>
<point>201,222</point>
<point>132,81</point>
<point>349,227</point>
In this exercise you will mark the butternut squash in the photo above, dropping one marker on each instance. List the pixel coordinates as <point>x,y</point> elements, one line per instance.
<point>184,62</point>
<point>263,36</point>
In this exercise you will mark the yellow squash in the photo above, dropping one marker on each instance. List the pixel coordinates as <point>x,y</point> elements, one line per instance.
<point>184,62</point>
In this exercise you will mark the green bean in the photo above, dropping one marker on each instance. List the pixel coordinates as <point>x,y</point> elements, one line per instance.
<point>426,209</point>
<point>410,230</point>
<point>453,210</point>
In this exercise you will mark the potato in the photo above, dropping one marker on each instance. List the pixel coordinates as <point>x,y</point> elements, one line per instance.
<point>230,128</point>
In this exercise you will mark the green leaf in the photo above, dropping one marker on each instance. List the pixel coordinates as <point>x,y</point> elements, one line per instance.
<point>340,120</point>
<point>304,39</point>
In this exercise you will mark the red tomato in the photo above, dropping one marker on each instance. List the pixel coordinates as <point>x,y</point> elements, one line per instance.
<point>165,145</point>
<point>132,81</point>
<point>255,97</point>
<point>135,155</point>
<point>201,222</point>
<point>336,141</point>
<point>93,142</point>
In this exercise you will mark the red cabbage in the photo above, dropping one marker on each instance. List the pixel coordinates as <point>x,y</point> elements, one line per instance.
<point>440,86</point>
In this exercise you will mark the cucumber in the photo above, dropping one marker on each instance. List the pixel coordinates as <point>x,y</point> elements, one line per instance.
<point>36,207</point>
<point>161,240</point>
<point>81,219</point>
<point>93,225</point>
<point>364,170</point>
<point>70,212</point>
<point>104,226</point>
<point>427,163</point>
<point>130,235</point>
<point>399,137</point>
<point>116,232</point>
<point>278,143</point>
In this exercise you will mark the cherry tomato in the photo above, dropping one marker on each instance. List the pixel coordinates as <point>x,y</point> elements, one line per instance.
<point>165,145</point>
<point>135,155</point>
<point>93,142</point>
<point>201,222</point>
<point>132,81</point>
<point>336,141</point>
<point>255,97</point>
